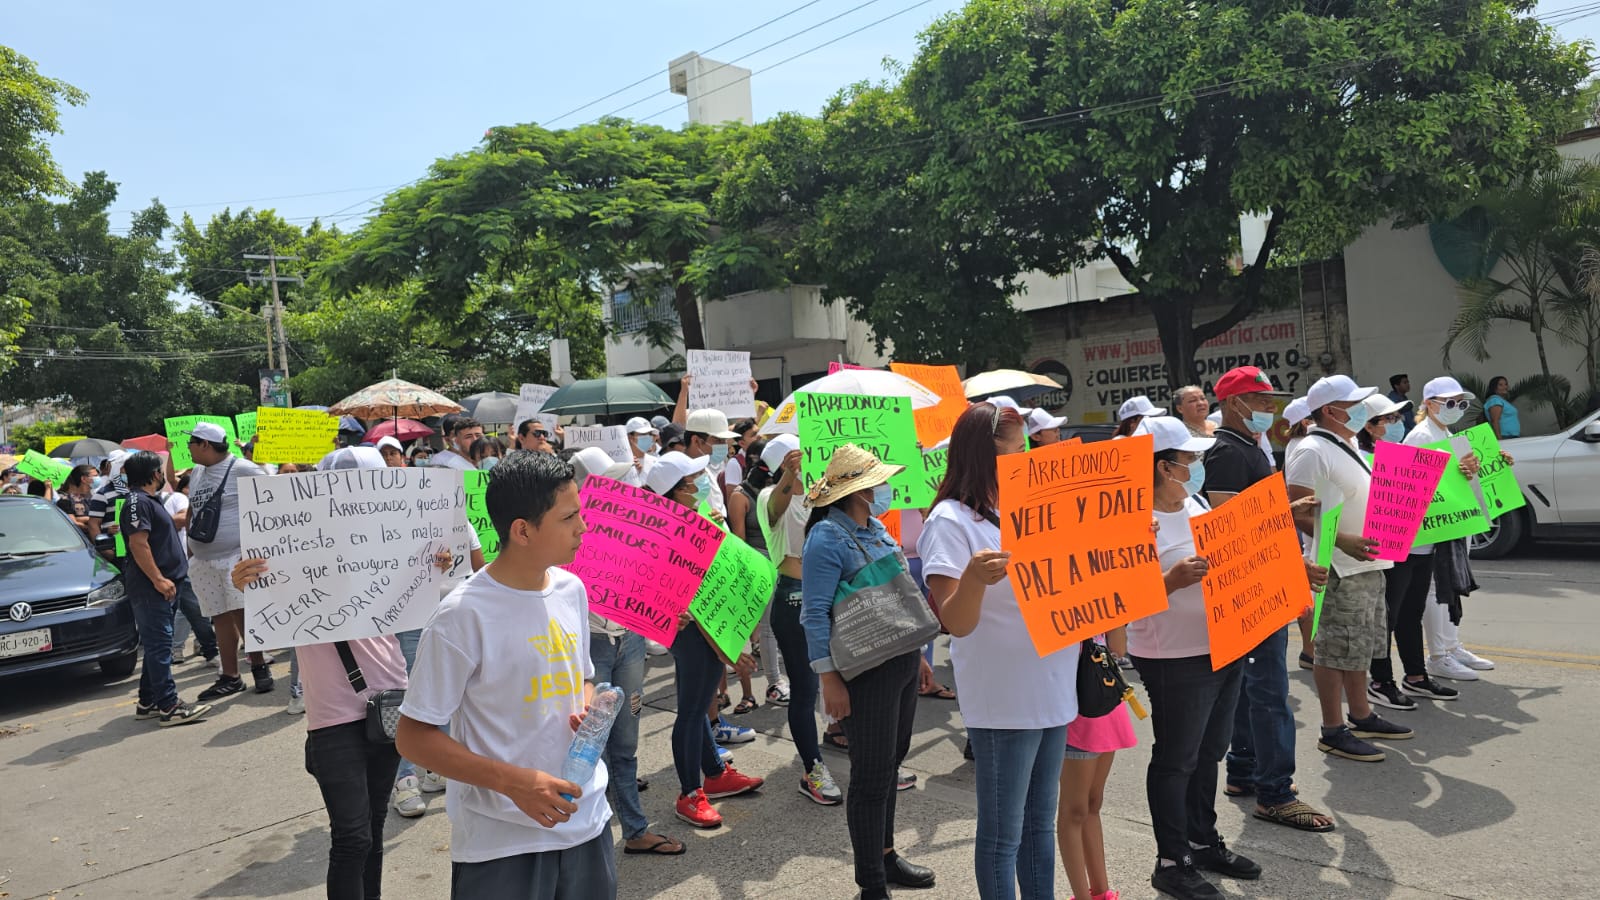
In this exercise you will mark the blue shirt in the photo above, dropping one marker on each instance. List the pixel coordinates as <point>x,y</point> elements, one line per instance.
<point>144,512</point>
<point>1510,427</point>
<point>835,549</point>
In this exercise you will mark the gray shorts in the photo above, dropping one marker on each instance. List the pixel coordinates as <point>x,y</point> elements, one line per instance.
<point>1354,628</point>
<point>585,872</point>
<point>1075,753</point>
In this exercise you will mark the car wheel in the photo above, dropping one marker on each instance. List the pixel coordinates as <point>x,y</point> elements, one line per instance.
<point>1503,536</point>
<point>120,666</point>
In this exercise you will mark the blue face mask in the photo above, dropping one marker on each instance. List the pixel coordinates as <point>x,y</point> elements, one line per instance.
<point>1358,417</point>
<point>1197,477</point>
<point>882,499</point>
<point>1394,432</point>
<point>644,442</point>
<point>488,462</point>
<point>421,461</point>
<point>719,454</point>
<point>702,489</point>
<point>1260,422</point>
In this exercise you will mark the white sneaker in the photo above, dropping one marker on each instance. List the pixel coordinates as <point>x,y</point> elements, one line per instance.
<point>1471,660</point>
<point>1448,667</point>
<point>819,787</point>
<point>297,705</point>
<point>431,782</point>
<point>407,798</point>
<point>652,648</point>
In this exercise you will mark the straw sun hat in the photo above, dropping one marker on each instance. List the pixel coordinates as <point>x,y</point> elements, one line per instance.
<point>850,470</point>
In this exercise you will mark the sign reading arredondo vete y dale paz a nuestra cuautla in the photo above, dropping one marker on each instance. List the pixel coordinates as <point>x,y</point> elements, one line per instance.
<point>351,552</point>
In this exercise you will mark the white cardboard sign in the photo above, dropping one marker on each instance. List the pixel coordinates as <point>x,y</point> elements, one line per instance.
<point>613,439</point>
<point>721,382</point>
<point>530,400</point>
<point>350,552</point>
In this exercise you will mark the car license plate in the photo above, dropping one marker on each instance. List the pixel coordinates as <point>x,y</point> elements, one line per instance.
<point>25,642</point>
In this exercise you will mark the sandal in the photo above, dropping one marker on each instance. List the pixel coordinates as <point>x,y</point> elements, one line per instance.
<point>939,692</point>
<point>836,740</point>
<point>1306,660</point>
<point>1299,815</point>
<point>724,701</point>
<point>655,849</point>
<point>748,704</point>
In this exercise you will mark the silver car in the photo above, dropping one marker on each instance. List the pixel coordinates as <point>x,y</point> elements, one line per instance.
<point>1560,478</point>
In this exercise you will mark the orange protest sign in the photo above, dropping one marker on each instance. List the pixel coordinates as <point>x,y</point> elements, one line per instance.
<point>891,521</point>
<point>934,424</point>
<point>1257,581</point>
<point>1076,520</point>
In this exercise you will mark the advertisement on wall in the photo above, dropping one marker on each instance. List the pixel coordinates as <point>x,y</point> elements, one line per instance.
<point>1097,373</point>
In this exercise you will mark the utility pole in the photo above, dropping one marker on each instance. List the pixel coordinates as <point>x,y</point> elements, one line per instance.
<point>272,259</point>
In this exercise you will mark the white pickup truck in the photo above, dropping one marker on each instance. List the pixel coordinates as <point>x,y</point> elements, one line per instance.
<point>1560,478</point>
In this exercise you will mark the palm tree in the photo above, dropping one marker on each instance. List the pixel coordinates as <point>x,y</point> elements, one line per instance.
<point>1539,228</point>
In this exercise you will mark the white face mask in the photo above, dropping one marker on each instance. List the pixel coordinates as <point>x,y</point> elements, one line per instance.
<point>1449,416</point>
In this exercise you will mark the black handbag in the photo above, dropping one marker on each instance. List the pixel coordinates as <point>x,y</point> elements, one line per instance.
<point>383,707</point>
<point>207,516</point>
<point>1100,683</point>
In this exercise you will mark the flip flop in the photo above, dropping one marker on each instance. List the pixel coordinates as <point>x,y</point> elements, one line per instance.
<point>655,849</point>
<point>836,740</point>
<point>1297,815</point>
<point>748,704</point>
<point>939,692</point>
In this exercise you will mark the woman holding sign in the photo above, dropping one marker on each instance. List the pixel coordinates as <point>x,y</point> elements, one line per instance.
<point>1018,746</point>
<point>1191,706</point>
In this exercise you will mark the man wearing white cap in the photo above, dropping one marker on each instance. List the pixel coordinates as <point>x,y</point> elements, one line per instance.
<point>1043,428</point>
<point>1353,629</point>
<point>706,433</point>
<point>215,486</point>
<point>1132,411</point>
<point>641,440</point>
<point>394,455</point>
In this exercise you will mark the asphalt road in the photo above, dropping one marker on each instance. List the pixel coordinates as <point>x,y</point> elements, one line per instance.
<point>1492,799</point>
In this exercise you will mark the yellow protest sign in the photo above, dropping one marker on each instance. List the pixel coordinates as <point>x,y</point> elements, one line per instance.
<point>52,441</point>
<point>294,435</point>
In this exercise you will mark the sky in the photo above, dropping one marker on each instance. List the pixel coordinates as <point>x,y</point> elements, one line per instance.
<point>316,109</point>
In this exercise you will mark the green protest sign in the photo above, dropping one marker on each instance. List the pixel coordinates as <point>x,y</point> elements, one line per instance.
<point>1501,493</point>
<point>116,517</point>
<point>36,465</point>
<point>1454,512</point>
<point>733,595</point>
<point>178,428</point>
<point>477,487</point>
<point>246,422</point>
<point>1327,534</point>
<point>883,425</point>
<point>934,465</point>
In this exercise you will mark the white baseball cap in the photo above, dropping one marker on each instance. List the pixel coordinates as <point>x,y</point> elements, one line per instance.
<point>674,467</point>
<point>591,461</point>
<point>388,440</point>
<point>1041,420</point>
<point>118,458</point>
<point>209,431</point>
<point>1172,434</point>
<point>1336,389</point>
<point>1296,411</point>
<point>777,448</point>
<point>709,422</point>
<point>1445,386</point>
<point>1004,402</point>
<point>637,425</point>
<point>1379,405</point>
<point>1138,406</point>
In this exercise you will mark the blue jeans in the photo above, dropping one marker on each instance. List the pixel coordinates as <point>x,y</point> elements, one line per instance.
<point>1263,726</point>
<point>205,637</point>
<point>699,669</point>
<point>408,649</point>
<point>1191,713</point>
<point>153,614</point>
<point>1019,780</point>
<point>620,661</point>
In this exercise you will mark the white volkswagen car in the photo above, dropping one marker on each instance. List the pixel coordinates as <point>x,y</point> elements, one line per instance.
<point>1560,478</point>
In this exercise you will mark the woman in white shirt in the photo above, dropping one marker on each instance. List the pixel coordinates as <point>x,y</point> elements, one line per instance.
<point>1018,739</point>
<point>1191,706</point>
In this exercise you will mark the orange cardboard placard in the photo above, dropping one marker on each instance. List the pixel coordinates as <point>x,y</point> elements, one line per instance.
<point>891,521</point>
<point>934,424</point>
<point>1076,520</point>
<point>1257,581</point>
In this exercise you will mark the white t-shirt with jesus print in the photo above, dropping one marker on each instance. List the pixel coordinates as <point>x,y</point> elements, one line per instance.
<point>505,668</point>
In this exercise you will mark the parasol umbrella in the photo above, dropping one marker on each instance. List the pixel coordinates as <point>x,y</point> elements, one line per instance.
<point>403,429</point>
<point>1014,383</point>
<point>866,382</point>
<point>394,399</point>
<point>606,396</point>
<point>7,461</point>
<point>84,447</point>
<point>491,407</point>
<point>351,424</point>
<point>155,443</point>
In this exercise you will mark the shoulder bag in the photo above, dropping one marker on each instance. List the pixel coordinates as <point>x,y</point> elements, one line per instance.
<point>1100,683</point>
<point>878,614</point>
<point>207,516</point>
<point>383,707</point>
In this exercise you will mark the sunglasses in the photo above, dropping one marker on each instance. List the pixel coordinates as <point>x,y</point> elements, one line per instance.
<point>1453,404</point>
<point>543,435</point>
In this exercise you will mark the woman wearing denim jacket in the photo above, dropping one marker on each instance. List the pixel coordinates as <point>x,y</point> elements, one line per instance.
<point>878,706</point>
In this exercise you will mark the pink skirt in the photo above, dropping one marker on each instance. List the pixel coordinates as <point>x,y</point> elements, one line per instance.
<point>1104,734</point>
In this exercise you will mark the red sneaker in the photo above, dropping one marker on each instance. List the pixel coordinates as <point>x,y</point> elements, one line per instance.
<point>731,784</point>
<point>696,810</point>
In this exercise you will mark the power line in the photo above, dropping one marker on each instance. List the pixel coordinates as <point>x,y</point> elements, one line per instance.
<point>187,207</point>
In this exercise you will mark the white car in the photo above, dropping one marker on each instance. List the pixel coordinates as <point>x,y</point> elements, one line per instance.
<point>1560,478</point>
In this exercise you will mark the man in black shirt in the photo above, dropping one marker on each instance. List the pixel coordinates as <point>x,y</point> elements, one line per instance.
<point>156,572</point>
<point>1261,760</point>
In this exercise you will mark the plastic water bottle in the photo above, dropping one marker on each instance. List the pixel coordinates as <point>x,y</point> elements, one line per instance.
<point>590,741</point>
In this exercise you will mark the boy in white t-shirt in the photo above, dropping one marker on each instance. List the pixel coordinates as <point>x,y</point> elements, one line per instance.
<point>505,663</point>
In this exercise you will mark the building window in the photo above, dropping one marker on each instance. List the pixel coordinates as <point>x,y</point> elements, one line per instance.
<point>629,316</point>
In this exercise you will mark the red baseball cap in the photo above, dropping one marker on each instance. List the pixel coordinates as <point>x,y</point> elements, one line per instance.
<point>1245,380</point>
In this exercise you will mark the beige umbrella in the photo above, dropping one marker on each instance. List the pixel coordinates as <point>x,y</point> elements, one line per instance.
<point>394,399</point>
<point>1014,383</point>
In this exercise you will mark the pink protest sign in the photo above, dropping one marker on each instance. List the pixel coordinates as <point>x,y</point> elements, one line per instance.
<point>836,366</point>
<point>643,558</point>
<point>1403,481</point>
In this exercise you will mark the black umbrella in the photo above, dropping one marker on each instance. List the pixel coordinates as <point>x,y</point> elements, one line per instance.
<point>84,447</point>
<point>605,397</point>
<point>491,407</point>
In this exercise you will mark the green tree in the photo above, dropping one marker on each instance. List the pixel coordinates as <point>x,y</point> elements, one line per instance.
<point>1140,132</point>
<point>30,106</point>
<point>31,437</point>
